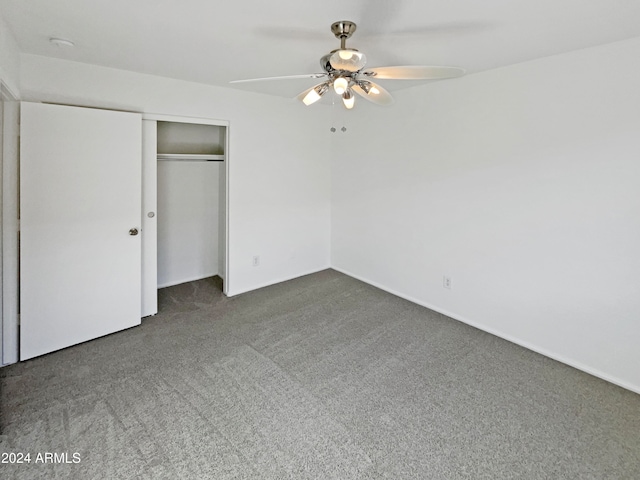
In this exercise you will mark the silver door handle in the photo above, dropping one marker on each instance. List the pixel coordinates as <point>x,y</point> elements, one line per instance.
<point>133,231</point>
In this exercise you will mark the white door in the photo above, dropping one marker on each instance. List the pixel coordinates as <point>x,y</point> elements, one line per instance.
<point>80,206</point>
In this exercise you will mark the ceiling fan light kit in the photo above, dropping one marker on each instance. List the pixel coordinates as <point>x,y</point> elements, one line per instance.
<point>344,69</point>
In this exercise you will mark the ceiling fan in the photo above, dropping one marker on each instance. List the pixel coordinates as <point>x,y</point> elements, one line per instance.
<point>344,69</point>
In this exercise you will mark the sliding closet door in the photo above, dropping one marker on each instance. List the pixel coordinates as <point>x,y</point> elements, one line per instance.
<point>80,201</point>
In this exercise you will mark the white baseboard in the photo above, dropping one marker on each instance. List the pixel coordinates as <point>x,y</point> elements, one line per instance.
<point>185,280</point>
<point>273,282</point>
<point>555,356</point>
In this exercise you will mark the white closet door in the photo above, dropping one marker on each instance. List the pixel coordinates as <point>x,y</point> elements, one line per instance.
<point>80,195</point>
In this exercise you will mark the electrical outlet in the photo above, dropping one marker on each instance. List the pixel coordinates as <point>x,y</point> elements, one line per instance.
<point>256,260</point>
<point>446,282</point>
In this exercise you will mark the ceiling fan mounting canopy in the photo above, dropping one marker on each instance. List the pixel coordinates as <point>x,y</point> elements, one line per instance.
<point>343,29</point>
<point>344,69</point>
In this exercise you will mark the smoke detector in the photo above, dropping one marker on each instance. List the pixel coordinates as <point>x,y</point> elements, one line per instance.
<point>61,42</point>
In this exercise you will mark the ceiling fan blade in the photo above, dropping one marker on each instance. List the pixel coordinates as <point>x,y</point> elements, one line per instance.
<point>377,94</point>
<point>413,73</point>
<point>430,30</point>
<point>291,33</point>
<point>378,15</point>
<point>286,77</point>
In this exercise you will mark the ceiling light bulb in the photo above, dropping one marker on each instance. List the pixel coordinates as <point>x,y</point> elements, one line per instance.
<point>311,97</point>
<point>345,54</point>
<point>340,85</point>
<point>374,91</point>
<point>348,99</point>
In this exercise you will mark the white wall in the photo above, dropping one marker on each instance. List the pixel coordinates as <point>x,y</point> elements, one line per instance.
<point>9,59</point>
<point>188,220</point>
<point>278,159</point>
<point>523,185</point>
<point>9,77</point>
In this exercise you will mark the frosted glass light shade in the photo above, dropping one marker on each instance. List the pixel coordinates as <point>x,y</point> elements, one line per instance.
<point>340,85</point>
<point>349,60</point>
<point>311,97</point>
<point>313,94</point>
<point>348,99</point>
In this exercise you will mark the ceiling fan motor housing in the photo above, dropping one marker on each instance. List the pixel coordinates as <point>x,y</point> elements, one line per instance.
<point>326,64</point>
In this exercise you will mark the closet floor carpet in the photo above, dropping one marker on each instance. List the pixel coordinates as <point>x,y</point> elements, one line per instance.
<point>322,377</point>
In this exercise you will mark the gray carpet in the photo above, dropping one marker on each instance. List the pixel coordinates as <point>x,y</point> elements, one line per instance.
<point>322,377</point>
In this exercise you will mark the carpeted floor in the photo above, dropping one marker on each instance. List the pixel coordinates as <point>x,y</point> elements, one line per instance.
<point>322,377</point>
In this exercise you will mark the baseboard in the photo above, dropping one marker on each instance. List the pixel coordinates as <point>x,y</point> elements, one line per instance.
<point>555,356</point>
<point>185,280</point>
<point>273,282</point>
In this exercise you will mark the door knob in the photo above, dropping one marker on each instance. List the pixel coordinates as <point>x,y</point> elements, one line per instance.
<point>133,231</point>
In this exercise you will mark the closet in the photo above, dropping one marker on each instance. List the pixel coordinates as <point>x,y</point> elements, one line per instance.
<point>86,226</point>
<point>184,202</point>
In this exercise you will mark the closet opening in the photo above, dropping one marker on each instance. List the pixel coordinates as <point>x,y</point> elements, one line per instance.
<point>190,214</point>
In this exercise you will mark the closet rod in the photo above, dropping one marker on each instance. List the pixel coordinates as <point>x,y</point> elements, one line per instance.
<point>187,160</point>
<point>191,157</point>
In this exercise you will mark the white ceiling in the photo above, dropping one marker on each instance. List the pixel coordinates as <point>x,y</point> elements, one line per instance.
<point>215,42</point>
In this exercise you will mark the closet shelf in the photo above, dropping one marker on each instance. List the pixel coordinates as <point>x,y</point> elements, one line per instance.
<point>188,156</point>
